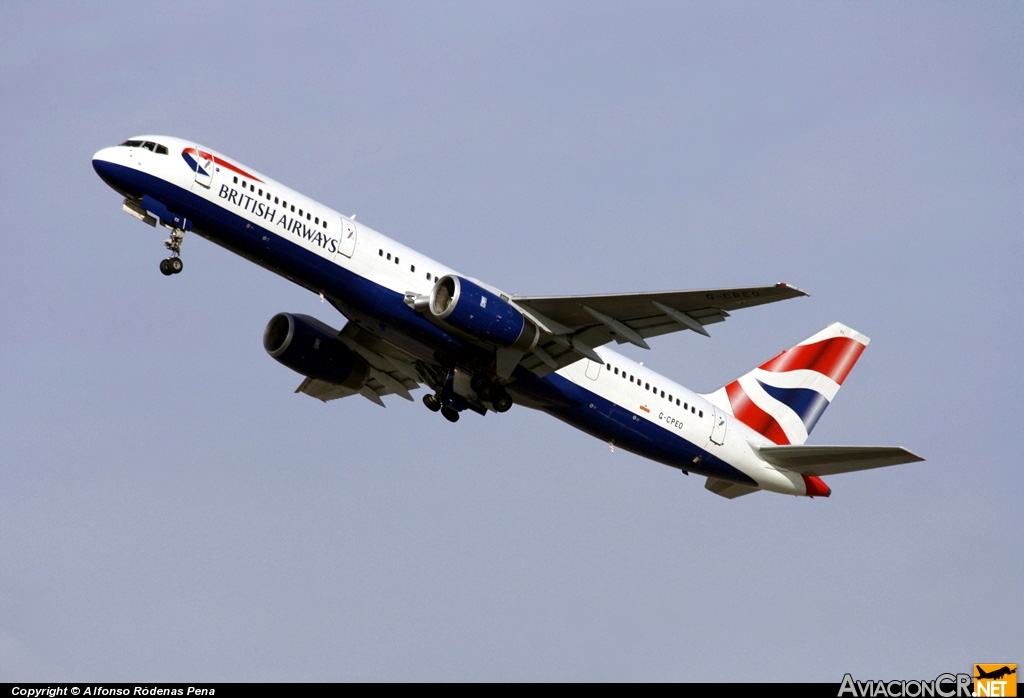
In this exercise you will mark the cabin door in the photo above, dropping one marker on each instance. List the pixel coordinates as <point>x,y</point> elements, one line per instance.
<point>204,168</point>
<point>720,426</point>
<point>347,237</point>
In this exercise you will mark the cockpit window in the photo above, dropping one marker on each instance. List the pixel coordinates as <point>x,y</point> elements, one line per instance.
<point>148,145</point>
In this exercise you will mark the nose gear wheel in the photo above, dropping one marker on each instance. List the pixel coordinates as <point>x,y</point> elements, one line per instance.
<point>173,264</point>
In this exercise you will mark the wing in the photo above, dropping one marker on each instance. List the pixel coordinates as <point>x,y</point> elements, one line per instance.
<point>832,460</point>
<point>391,372</point>
<point>574,325</point>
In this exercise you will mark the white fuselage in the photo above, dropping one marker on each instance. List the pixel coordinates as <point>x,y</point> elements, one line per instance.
<point>621,402</point>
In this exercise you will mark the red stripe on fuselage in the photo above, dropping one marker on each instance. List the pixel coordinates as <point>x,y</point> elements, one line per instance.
<point>222,162</point>
<point>833,357</point>
<point>753,416</point>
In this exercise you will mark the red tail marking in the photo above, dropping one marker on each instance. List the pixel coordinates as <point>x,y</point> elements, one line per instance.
<point>833,357</point>
<point>753,416</point>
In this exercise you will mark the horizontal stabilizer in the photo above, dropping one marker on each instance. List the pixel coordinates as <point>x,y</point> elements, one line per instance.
<point>832,460</point>
<point>729,490</point>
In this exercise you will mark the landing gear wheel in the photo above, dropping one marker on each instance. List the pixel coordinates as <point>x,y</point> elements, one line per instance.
<point>502,402</point>
<point>175,264</point>
<point>165,267</point>
<point>431,402</point>
<point>484,388</point>
<point>450,413</point>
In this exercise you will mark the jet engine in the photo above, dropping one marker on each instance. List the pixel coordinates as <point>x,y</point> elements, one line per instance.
<point>481,315</point>
<point>312,348</point>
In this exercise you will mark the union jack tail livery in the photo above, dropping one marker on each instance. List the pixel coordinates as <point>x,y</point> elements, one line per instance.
<point>783,398</point>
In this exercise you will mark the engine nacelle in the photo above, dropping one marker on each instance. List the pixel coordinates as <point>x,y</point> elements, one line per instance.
<point>312,348</point>
<point>481,315</point>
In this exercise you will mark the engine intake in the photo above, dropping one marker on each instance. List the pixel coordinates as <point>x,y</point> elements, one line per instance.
<point>481,315</point>
<point>312,348</point>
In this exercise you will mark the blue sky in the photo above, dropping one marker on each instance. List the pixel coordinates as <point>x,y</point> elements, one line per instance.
<point>170,510</point>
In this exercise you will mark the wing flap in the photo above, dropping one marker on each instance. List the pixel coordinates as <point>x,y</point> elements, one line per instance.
<point>391,373</point>
<point>591,321</point>
<point>322,390</point>
<point>833,460</point>
<point>571,311</point>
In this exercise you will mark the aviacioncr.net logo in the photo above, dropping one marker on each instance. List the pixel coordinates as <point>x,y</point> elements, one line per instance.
<point>943,686</point>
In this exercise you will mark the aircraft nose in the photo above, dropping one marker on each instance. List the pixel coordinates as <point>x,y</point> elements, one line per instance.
<point>101,161</point>
<point>106,166</point>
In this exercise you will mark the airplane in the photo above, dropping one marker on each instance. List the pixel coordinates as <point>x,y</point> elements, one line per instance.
<point>412,322</point>
<point>995,674</point>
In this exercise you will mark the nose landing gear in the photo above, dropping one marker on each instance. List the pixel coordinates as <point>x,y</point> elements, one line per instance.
<point>173,264</point>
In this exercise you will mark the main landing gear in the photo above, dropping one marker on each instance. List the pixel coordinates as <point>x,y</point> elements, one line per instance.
<point>494,393</point>
<point>450,401</point>
<point>173,264</point>
<point>434,404</point>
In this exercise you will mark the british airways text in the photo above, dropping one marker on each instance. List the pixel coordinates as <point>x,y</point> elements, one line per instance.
<point>292,225</point>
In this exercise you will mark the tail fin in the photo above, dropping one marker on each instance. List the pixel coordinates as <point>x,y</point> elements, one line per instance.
<point>784,397</point>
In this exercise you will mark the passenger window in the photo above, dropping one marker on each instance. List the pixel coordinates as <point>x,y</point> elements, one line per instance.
<point>647,386</point>
<point>677,402</point>
<point>663,393</point>
<point>380,252</point>
<point>276,200</point>
<point>261,192</point>
<point>428,276</point>
<point>317,220</point>
<point>389,256</point>
<point>702,414</point>
<point>396,260</point>
<point>412,268</point>
<point>236,179</point>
